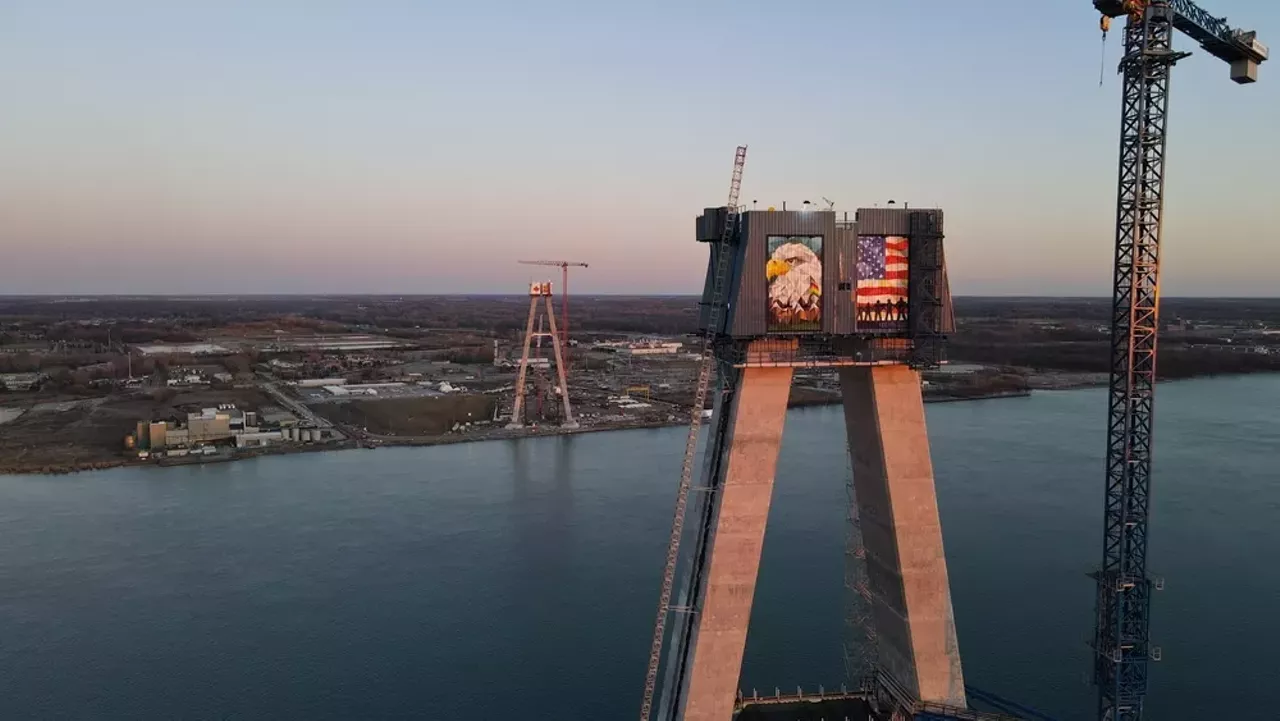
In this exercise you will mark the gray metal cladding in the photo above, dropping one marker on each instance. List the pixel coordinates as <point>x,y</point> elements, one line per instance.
<point>747,313</point>
<point>889,221</point>
<point>841,277</point>
<point>751,301</point>
<point>710,228</point>
<point>710,225</point>
<point>703,305</point>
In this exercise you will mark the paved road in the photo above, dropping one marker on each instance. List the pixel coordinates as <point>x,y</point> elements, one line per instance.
<point>293,405</point>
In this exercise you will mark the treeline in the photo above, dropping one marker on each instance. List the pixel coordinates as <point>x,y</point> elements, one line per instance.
<point>1172,361</point>
<point>184,320</point>
<point>1098,310</point>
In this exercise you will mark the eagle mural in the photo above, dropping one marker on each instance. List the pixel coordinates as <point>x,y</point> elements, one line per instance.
<point>794,275</point>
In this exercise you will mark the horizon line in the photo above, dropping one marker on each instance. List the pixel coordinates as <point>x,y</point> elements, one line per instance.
<point>221,296</point>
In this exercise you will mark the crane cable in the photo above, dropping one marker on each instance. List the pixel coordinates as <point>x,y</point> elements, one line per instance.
<point>1105,24</point>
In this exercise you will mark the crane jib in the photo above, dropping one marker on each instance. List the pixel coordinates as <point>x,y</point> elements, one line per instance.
<point>1213,34</point>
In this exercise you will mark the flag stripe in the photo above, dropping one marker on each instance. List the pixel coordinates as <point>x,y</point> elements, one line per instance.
<point>882,268</point>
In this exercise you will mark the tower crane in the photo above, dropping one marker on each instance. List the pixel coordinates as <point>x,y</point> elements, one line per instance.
<point>563,265</point>
<point>709,369</point>
<point>1121,640</point>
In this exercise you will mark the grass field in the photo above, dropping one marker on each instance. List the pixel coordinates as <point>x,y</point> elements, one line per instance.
<point>409,416</point>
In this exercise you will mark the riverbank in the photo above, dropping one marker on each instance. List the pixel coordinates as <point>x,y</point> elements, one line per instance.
<point>88,459</point>
<point>16,467</point>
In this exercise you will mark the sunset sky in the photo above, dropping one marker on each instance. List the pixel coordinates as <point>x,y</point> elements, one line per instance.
<point>404,146</point>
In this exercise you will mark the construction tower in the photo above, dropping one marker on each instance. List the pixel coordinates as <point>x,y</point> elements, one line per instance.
<point>1122,636</point>
<point>867,298</point>
<point>539,308</point>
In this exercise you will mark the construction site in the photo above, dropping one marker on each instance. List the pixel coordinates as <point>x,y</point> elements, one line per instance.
<point>799,306</point>
<point>869,297</point>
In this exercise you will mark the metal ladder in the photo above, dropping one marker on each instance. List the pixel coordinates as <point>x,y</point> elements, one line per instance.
<point>706,366</point>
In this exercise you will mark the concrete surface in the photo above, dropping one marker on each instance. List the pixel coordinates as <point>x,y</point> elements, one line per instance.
<point>720,637</point>
<point>898,508</point>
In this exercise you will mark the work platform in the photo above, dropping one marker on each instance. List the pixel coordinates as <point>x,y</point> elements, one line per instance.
<point>820,352</point>
<point>876,699</point>
<point>829,707</point>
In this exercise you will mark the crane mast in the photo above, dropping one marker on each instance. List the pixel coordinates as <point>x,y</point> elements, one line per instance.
<point>707,368</point>
<point>1121,642</point>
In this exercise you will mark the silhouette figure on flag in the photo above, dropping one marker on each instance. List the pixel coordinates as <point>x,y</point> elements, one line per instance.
<point>880,296</point>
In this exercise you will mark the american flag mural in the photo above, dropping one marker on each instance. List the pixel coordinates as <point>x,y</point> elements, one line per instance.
<point>881,292</point>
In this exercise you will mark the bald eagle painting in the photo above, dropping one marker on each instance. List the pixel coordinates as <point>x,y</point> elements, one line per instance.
<point>794,275</point>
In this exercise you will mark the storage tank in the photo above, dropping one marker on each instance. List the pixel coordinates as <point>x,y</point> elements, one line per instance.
<point>306,435</point>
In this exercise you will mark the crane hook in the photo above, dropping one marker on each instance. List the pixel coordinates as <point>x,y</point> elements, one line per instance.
<point>1105,24</point>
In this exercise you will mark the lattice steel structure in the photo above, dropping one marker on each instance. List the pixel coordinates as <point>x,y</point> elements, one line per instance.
<point>926,302</point>
<point>708,366</point>
<point>1124,590</point>
<point>1122,648</point>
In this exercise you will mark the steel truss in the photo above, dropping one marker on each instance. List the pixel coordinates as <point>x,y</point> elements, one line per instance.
<point>925,294</point>
<point>710,368</point>
<point>1121,637</point>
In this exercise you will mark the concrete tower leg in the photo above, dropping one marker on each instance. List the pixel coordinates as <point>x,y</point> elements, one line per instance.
<point>561,371</point>
<point>898,508</point>
<point>517,408</point>
<point>759,412</point>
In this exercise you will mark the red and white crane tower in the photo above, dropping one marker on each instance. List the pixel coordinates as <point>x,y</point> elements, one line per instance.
<point>563,265</point>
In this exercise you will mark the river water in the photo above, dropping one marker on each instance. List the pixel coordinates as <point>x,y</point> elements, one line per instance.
<point>518,579</point>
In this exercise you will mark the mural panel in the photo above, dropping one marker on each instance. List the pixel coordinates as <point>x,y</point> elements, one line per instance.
<point>793,270</point>
<point>880,296</point>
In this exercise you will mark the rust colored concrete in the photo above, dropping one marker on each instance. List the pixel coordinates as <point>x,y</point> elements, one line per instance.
<point>759,412</point>
<point>898,508</point>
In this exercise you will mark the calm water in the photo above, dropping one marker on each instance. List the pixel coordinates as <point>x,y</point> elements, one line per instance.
<point>475,580</point>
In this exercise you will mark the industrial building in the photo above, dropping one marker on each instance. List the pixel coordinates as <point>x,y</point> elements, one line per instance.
<point>20,381</point>
<point>334,343</point>
<point>319,382</point>
<point>223,424</point>
<point>638,348</point>
<point>209,425</point>
<point>157,349</point>
<point>364,389</point>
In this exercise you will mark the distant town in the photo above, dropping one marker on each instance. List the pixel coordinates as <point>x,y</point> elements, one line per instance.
<point>95,382</point>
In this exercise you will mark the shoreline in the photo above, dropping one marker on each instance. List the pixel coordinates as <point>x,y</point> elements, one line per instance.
<point>421,441</point>
<point>1038,381</point>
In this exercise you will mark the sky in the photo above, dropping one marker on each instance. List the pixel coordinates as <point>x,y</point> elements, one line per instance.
<point>411,146</point>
